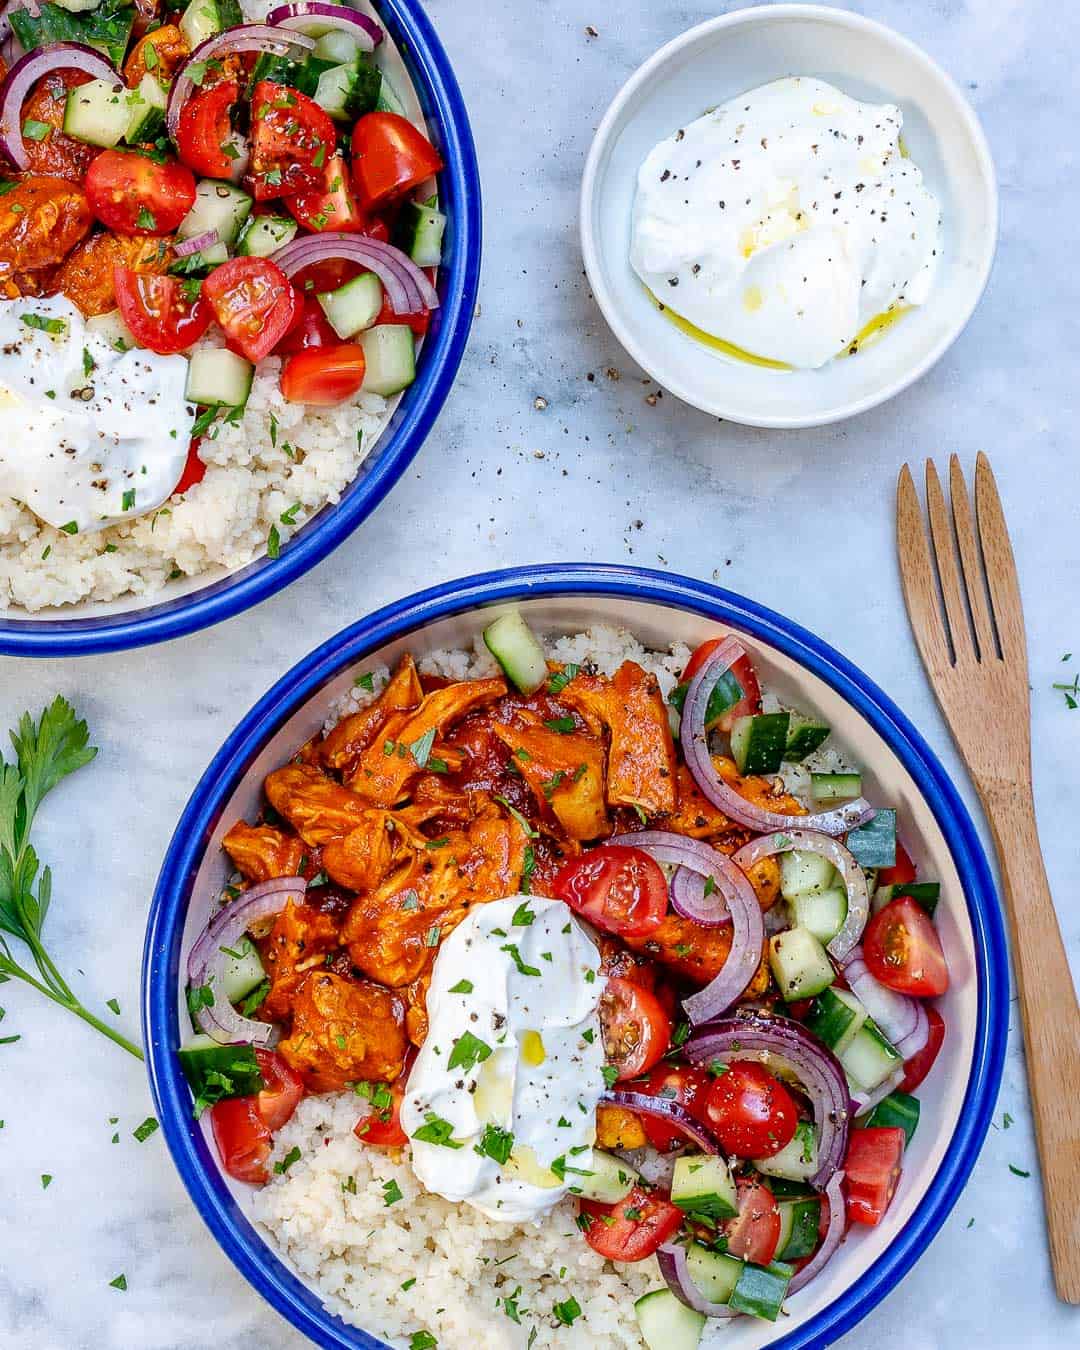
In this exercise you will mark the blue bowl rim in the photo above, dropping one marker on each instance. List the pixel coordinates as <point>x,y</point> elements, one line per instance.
<point>238,1238</point>
<point>441,97</point>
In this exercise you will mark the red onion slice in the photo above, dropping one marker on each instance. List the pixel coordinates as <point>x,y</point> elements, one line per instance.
<point>188,246</point>
<point>249,37</point>
<point>733,888</point>
<point>809,841</point>
<point>665,1109</point>
<point>780,1041</point>
<point>26,72</point>
<point>866,1101</point>
<point>695,744</point>
<point>833,1236</point>
<point>407,287</point>
<point>316,17</point>
<point>902,1020</point>
<point>688,898</point>
<point>671,1258</point>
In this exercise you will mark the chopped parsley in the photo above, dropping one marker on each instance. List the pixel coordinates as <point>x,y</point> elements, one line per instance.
<point>568,1311</point>
<point>562,678</point>
<point>46,1180</point>
<point>199,996</point>
<point>408,1284</point>
<point>1018,1171</point>
<point>529,831</point>
<point>528,867</point>
<point>421,748</point>
<point>563,725</point>
<point>119,1283</point>
<point>146,220</point>
<point>252,1001</point>
<point>128,500</point>
<point>495,1143</point>
<point>468,1051</point>
<point>143,1132</point>
<point>365,681</point>
<point>422,1340</point>
<point>349,1185</point>
<point>437,1131</point>
<point>391,1192</point>
<point>463,987</point>
<point>611,1075</point>
<point>431,937</point>
<point>293,1156</point>
<point>523,916</point>
<point>113,1006</point>
<point>289,517</point>
<point>44,325</point>
<point>522,968</point>
<point>273,543</point>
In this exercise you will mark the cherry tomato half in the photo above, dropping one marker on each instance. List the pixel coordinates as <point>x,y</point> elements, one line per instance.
<point>637,1030</point>
<point>417,322</point>
<point>618,889</point>
<point>751,1113</point>
<point>754,1233</point>
<point>872,1171</point>
<point>324,376</point>
<point>390,156</point>
<point>164,313</point>
<point>205,130</point>
<point>744,672</point>
<point>679,1083</point>
<point>922,1061</point>
<point>292,142</point>
<point>281,1094</point>
<point>901,948</point>
<point>133,194</point>
<point>311,328</point>
<point>332,209</point>
<point>633,1228</point>
<point>381,1127</point>
<point>194,469</point>
<point>254,302</point>
<point>243,1140</point>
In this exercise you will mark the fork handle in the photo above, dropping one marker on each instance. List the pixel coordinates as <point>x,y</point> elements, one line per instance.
<point>1051,1023</point>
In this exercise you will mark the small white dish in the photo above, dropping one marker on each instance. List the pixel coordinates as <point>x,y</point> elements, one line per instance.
<point>739,51</point>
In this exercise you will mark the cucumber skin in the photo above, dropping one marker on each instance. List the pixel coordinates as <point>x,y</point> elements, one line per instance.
<point>514,645</point>
<point>898,1109</point>
<point>667,1324</point>
<point>758,742</point>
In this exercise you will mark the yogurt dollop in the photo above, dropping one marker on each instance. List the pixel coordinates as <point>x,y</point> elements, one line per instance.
<point>786,221</point>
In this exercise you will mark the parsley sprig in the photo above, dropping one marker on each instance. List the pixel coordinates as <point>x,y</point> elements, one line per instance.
<point>46,752</point>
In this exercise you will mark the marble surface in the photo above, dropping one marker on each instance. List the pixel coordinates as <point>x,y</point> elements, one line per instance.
<point>605,473</point>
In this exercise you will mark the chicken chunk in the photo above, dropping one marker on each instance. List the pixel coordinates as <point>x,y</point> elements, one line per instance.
<point>261,852</point>
<point>641,754</point>
<point>315,806</point>
<point>170,49</point>
<point>565,772</point>
<point>345,1031</point>
<point>87,274</point>
<point>694,814</point>
<point>389,764</point>
<point>378,845</point>
<point>393,932</point>
<point>299,942</point>
<point>686,948</point>
<point>41,221</point>
<point>768,793</point>
<point>345,743</point>
<point>56,154</point>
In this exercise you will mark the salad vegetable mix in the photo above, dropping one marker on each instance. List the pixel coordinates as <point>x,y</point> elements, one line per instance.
<point>744,1035</point>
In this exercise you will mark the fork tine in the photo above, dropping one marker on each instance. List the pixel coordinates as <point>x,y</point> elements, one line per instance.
<point>917,577</point>
<point>952,588</point>
<point>1001,578</point>
<point>969,558</point>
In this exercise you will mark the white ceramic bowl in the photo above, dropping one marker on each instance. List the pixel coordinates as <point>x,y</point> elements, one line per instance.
<point>727,56</point>
<point>957,1097</point>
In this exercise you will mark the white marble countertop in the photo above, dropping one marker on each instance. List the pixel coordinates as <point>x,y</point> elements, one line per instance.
<point>600,474</point>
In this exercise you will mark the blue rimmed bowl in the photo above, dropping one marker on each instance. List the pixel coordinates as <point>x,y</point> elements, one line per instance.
<point>188,605</point>
<point>899,768</point>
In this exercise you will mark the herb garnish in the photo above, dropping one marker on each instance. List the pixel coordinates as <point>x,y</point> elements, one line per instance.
<point>529,831</point>
<point>468,1051</point>
<point>293,1156</point>
<point>437,1131</point>
<point>562,678</point>
<point>143,1132</point>
<point>45,754</point>
<point>568,1311</point>
<point>462,987</point>
<point>523,969</point>
<point>391,1192</point>
<point>495,1143</point>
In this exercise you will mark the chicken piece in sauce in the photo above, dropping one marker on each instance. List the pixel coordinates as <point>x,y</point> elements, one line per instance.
<point>87,274</point>
<point>315,806</point>
<point>641,754</point>
<point>344,744</point>
<point>54,153</point>
<point>564,770</point>
<point>170,51</point>
<point>377,846</point>
<point>345,1031</point>
<point>299,942</point>
<point>262,852</point>
<point>41,220</point>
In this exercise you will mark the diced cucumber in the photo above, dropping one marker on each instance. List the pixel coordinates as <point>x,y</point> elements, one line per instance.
<point>218,206</point>
<point>338,47</point>
<point>390,354</point>
<point>761,1290</point>
<point>797,1160</point>
<point>835,787</point>
<point>757,743</point>
<point>98,113</point>
<point>353,307</point>
<point>799,1220</point>
<point>218,378</point>
<point>726,692</point>
<point>205,18</point>
<point>823,912</point>
<point>802,872</point>
<point>786,1189</point>
<point>419,233</point>
<point>147,111</point>
<point>874,844</point>
<point>805,735</point>
<point>514,645</point>
<point>715,1274</point>
<point>869,1059</point>
<point>897,1109</point>
<point>112,329</point>
<point>365,92</point>
<point>610,1179</point>
<point>243,971</point>
<point>334,91</point>
<point>834,1018</point>
<point>702,1184</point>
<point>800,965</point>
<point>666,1323</point>
<point>263,235</point>
<point>215,1071</point>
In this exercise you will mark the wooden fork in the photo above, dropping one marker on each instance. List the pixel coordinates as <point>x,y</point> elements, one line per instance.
<point>975,654</point>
